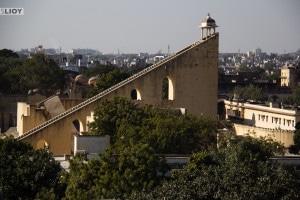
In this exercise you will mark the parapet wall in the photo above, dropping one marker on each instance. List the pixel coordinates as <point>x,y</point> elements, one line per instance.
<point>283,136</point>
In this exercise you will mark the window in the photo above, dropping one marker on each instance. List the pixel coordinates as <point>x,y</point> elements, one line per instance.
<point>135,95</point>
<point>168,88</point>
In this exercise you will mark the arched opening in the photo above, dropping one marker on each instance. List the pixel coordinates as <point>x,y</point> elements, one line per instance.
<point>42,144</point>
<point>168,88</point>
<point>135,94</point>
<point>78,126</point>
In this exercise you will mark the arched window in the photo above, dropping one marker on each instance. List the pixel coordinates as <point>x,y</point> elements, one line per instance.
<point>165,88</point>
<point>42,144</point>
<point>135,94</point>
<point>78,125</point>
<point>168,88</point>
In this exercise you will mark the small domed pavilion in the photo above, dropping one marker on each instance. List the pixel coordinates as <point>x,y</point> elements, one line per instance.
<point>208,24</point>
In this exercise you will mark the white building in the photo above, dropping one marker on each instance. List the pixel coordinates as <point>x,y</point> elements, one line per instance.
<point>264,120</point>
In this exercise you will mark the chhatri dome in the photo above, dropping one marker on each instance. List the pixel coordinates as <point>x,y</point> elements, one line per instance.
<point>208,24</point>
<point>208,21</point>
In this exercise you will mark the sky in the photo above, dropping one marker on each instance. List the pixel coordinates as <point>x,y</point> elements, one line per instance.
<point>136,26</point>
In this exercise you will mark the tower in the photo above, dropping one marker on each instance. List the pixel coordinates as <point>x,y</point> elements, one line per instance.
<point>208,24</point>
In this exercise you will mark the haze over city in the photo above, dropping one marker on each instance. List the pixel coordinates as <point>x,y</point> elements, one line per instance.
<point>135,26</point>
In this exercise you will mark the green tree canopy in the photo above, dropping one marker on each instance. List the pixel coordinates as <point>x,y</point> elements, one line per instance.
<point>7,53</point>
<point>249,92</point>
<point>38,72</point>
<point>108,80</point>
<point>109,115</point>
<point>43,73</point>
<point>139,136</point>
<point>275,76</point>
<point>98,70</point>
<point>8,75</point>
<point>242,170</point>
<point>167,131</point>
<point>294,98</point>
<point>81,177</point>
<point>27,173</point>
<point>133,169</point>
<point>116,175</point>
<point>294,149</point>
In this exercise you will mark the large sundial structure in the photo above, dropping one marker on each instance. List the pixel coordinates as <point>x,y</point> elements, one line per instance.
<point>192,77</point>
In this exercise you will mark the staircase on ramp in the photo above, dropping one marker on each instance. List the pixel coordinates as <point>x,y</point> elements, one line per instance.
<point>109,90</point>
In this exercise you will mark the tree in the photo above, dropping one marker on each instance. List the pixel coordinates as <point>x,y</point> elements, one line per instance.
<point>109,115</point>
<point>8,62</point>
<point>294,98</point>
<point>108,80</point>
<point>27,173</point>
<point>294,149</point>
<point>171,132</point>
<point>43,73</point>
<point>275,76</point>
<point>38,72</point>
<point>165,88</point>
<point>242,170</point>
<point>7,53</point>
<point>166,131</point>
<point>133,169</point>
<point>116,175</point>
<point>250,92</point>
<point>81,178</point>
<point>98,70</point>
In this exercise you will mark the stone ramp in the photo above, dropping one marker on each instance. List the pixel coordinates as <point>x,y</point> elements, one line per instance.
<point>110,90</point>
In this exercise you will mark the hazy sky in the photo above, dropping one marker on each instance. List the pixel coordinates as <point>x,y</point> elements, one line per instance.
<point>134,26</point>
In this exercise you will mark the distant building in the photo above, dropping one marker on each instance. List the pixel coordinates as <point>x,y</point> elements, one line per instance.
<point>264,120</point>
<point>258,52</point>
<point>289,76</point>
<point>158,58</point>
<point>249,54</point>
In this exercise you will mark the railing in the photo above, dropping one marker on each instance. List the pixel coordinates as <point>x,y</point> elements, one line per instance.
<point>107,91</point>
<point>44,100</point>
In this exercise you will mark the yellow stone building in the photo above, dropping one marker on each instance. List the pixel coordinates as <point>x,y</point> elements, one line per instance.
<point>192,75</point>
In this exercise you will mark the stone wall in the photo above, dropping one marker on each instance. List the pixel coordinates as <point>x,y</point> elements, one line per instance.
<point>192,73</point>
<point>283,136</point>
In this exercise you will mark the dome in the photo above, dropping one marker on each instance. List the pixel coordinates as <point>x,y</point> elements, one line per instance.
<point>93,80</point>
<point>208,21</point>
<point>81,79</point>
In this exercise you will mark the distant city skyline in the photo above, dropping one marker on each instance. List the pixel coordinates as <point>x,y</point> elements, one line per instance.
<point>135,26</point>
